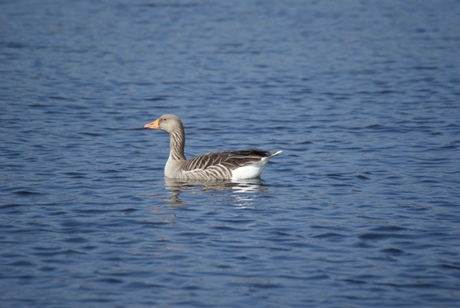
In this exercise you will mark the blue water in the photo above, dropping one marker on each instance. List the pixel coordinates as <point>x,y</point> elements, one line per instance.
<point>362,209</point>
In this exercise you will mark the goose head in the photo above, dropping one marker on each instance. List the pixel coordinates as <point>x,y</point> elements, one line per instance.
<point>167,123</point>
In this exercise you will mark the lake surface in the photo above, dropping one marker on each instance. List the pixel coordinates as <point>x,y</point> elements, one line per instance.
<point>362,208</point>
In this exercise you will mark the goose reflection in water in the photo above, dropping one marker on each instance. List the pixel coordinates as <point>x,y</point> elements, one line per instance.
<point>242,192</point>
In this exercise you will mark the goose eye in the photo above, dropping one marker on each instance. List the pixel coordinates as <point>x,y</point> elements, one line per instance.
<point>164,119</point>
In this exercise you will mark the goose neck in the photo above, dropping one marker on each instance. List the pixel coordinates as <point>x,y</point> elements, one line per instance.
<point>177,144</point>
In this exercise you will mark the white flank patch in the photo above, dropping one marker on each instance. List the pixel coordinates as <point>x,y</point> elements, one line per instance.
<point>249,171</point>
<point>253,170</point>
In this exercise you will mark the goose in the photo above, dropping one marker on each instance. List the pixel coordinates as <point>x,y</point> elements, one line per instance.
<point>224,165</point>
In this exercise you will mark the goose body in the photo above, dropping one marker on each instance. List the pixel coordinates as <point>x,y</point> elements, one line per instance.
<point>224,165</point>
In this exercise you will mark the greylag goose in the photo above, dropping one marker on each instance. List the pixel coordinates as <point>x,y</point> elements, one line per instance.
<point>225,165</point>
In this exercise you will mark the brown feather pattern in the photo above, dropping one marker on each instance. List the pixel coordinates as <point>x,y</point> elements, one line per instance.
<point>229,159</point>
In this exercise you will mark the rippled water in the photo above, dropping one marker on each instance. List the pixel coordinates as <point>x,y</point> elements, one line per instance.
<point>361,209</point>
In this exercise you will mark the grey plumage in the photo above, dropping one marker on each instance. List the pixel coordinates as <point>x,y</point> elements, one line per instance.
<point>210,166</point>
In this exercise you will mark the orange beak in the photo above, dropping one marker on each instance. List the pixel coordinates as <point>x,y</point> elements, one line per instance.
<point>153,125</point>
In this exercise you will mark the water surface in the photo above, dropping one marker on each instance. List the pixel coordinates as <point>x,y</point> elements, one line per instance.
<point>361,208</point>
